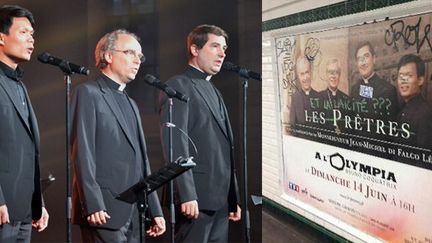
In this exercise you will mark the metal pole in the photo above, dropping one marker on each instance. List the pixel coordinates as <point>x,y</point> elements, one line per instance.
<point>171,186</point>
<point>68,179</point>
<point>245,164</point>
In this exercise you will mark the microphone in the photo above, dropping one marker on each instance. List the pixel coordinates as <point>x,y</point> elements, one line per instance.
<point>172,93</point>
<point>64,65</point>
<point>243,72</point>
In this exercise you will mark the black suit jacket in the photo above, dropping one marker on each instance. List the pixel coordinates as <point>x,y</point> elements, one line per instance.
<point>418,114</point>
<point>213,181</point>
<point>329,102</point>
<point>104,156</point>
<point>300,102</point>
<point>19,155</point>
<point>381,89</point>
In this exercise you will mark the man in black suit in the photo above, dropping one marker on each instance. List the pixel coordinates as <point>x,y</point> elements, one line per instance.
<point>108,148</point>
<point>20,191</point>
<point>207,195</point>
<point>371,87</point>
<point>333,98</point>
<point>302,99</point>
<point>415,110</point>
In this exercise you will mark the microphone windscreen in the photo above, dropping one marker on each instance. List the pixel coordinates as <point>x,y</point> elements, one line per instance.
<point>44,57</point>
<point>150,79</point>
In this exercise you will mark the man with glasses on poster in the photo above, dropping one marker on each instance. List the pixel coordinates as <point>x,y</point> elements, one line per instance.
<point>416,112</point>
<point>333,100</point>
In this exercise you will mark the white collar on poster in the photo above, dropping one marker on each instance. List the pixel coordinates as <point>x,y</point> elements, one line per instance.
<point>366,80</point>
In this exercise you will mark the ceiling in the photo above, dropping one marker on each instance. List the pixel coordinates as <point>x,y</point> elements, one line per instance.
<point>278,8</point>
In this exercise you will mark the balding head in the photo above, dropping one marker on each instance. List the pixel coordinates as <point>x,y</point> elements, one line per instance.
<point>304,73</point>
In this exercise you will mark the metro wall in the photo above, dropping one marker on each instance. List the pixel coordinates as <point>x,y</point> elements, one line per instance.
<point>289,169</point>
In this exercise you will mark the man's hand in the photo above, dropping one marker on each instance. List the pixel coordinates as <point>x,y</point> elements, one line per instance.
<point>190,209</point>
<point>98,218</point>
<point>235,216</point>
<point>41,223</point>
<point>4,215</point>
<point>157,228</point>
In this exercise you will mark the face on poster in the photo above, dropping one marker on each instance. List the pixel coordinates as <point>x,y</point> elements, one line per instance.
<point>363,92</point>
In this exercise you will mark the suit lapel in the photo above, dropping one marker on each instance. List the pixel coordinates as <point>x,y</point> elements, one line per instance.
<point>16,102</point>
<point>112,104</point>
<point>140,130</point>
<point>213,107</point>
<point>141,140</point>
<point>32,117</point>
<point>227,121</point>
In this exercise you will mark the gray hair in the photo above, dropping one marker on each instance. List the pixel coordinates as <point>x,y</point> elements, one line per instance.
<point>107,43</point>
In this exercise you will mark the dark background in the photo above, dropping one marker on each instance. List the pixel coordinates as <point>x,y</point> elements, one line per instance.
<point>70,29</point>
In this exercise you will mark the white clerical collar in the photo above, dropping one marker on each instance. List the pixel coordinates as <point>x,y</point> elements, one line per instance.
<point>122,87</point>
<point>366,80</point>
<point>307,92</point>
<point>333,92</point>
<point>208,77</point>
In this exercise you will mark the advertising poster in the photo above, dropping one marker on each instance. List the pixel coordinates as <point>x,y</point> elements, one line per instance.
<point>360,100</point>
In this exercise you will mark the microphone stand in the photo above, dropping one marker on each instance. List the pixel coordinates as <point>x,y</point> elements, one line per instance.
<point>245,164</point>
<point>171,93</point>
<point>64,66</point>
<point>142,209</point>
<point>245,74</point>
<point>170,157</point>
<point>171,185</point>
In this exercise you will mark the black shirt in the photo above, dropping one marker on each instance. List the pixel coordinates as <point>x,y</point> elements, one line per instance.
<point>15,77</point>
<point>128,113</point>
<point>418,114</point>
<point>214,96</point>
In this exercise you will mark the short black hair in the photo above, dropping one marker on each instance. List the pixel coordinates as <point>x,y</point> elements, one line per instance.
<point>8,12</point>
<point>199,36</point>
<point>363,44</point>
<point>411,58</point>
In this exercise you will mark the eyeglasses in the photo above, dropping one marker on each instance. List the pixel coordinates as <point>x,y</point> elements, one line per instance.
<point>405,77</point>
<point>133,54</point>
<point>364,58</point>
<point>333,72</point>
